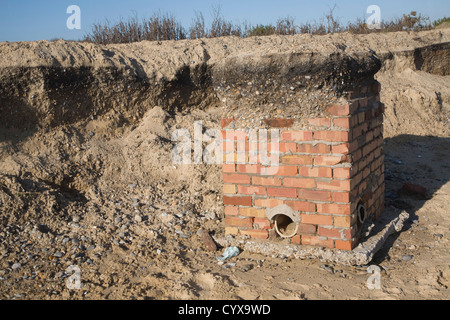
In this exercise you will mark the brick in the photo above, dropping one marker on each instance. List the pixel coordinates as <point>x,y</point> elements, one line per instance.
<point>317,195</point>
<point>239,157</point>
<point>282,192</point>
<point>249,168</point>
<point>341,123</point>
<point>275,170</point>
<point>266,181</point>
<point>330,160</point>
<point>303,206</point>
<point>320,122</point>
<point>317,241</point>
<point>287,171</point>
<point>357,155</point>
<point>315,172</point>
<point>250,190</point>
<point>341,148</point>
<point>236,178</point>
<point>286,147</point>
<point>342,221</point>
<point>231,211</point>
<point>334,185</point>
<point>329,232</point>
<point>296,239</point>
<point>233,135</point>
<point>309,148</point>
<point>369,148</point>
<point>237,201</point>
<point>252,212</point>
<point>369,114</point>
<point>229,189</point>
<point>255,234</point>
<point>296,136</point>
<point>261,223</point>
<point>361,117</point>
<point>342,173</point>
<point>353,121</point>
<point>353,146</point>
<point>348,233</point>
<point>228,146</point>
<point>279,123</point>
<point>333,208</point>
<point>360,130</point>
<point>362,187</point>
<point>299,183</point>
<point>369,136</point>
<point>338,110</point>
<point>268,203</point>
<point>239,222</point>
<point>297,159</point>
<point>228,168</point>
<point>366,172</point>
<point>317,219</point>
<point>304,228</point>
<point>232,230</point>
<point>346,245</point>
<point>333,136</point>
<point>341,197</point>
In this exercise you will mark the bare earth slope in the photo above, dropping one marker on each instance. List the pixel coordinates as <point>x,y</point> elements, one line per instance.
<point>86,177</point>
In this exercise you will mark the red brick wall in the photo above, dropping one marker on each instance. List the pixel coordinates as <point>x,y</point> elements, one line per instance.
<point>326,169</point>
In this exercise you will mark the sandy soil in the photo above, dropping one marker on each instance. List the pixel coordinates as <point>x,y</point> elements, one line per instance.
<point>102,194</point>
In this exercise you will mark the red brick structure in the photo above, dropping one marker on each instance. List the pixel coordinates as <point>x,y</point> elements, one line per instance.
<point>330,175</point>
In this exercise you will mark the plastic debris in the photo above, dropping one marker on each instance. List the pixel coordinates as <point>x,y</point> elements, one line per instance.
<point>228,253</point>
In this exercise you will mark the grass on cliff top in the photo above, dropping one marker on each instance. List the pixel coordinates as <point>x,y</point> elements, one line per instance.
<point>164,26</point>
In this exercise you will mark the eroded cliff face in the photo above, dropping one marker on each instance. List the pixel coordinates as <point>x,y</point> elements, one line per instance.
<point>46,84</point>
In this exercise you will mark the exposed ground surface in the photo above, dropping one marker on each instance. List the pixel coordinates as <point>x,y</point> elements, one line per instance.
<point>86,177</point>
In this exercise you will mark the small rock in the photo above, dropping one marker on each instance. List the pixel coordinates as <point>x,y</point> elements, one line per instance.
<point>247,267</point>
<point>407,257</point>
<point>90,248</point>
<point>438,235</point>
<point>327,268</point>
<point>58,254</point>
<point>137,218</point>
<point>16,266</point>
<point>208,242</point>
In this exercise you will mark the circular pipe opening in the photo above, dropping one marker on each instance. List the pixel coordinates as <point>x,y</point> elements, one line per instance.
<point>285,227</point>
<point>361,213</point>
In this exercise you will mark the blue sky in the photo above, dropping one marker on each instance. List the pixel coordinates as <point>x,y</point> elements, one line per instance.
<point>29,20</point>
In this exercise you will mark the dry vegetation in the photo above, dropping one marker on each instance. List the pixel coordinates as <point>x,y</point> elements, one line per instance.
<point>164,26</point>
